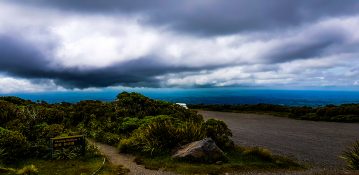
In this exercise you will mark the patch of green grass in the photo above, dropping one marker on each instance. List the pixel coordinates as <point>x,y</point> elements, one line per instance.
<point>71,167</point>
<point>240,160</point>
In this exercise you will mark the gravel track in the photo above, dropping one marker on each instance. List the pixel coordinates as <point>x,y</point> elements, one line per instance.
<point>316,143</point>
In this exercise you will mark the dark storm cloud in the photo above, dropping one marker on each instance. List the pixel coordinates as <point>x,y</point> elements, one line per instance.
<point>20,59</point>
<point>214,17</point>
<point>140,72</point>
<point>306,47</point>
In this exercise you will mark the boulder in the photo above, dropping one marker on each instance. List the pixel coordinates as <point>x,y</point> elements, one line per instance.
<point>204,150</point>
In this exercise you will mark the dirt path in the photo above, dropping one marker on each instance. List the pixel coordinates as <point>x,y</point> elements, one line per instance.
<point>126,160</point>
<point>318,143</point>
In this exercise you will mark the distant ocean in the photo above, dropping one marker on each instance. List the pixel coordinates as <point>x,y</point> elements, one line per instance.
<point>209,96</point>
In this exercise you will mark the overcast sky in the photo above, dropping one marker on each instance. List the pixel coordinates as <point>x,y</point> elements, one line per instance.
<point>62,45</point>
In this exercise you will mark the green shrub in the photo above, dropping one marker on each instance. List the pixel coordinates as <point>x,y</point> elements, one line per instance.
<point>28,170</point>
<point>13,143</point>
<point>257,152</point>
<point>351,156</point>
<point>92,150</point>
<point>130,145</point>
<point>136,105</point>
<point>219,132</point>
<point>53,115</point>
<point>109,138</point>
<point>159,136</point>
<point>190,131</point>
<point>7,112</point>
<point>66,153</point>
<point>51,131</point>
<point>149,119</point>
<point>154,138</point>
<point>162,135</point>
<point>129,124</point>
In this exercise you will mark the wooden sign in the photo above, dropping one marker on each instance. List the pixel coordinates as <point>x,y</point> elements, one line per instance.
<point>65,142</point>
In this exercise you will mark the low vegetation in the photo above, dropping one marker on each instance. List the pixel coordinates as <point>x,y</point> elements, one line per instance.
<point>341,113</point>
<point>240,159</point>
<point>163,134</point>
<point>351,156</point>
<point>151,129</point>
<point>62,167</point>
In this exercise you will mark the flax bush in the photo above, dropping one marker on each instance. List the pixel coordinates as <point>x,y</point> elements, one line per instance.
<point>160,136</point>
<point>351,156</point>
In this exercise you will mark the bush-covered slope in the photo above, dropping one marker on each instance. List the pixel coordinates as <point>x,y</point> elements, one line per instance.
<point>138,123</point>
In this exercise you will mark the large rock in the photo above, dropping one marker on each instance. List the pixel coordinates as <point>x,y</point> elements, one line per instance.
<point>204,150</point>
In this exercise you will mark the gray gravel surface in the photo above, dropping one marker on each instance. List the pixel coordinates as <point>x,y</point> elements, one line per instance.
<point>316,143</point>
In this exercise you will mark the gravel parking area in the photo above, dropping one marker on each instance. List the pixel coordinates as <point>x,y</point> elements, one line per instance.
<point>316,143</point>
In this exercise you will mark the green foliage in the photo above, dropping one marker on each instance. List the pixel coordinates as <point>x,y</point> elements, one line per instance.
<point>161,135</point>
<point>109,138</point>
<point>129,124</point>
<point>220,133</point>
<point>13,143</point>
<point>16,100</point>
<point>92,151</point>
<point>351,156</point>
<point>149,119</point>
<point>28,170</point>
<point>139,123</point>
<point>53,115</point>
<point>190,131</point>
<point>64,167</point>
<point>67,153</point>
<point>135,104</point>
<point>153,138</point>
<point>51,131</point>
<point>258,152</point>
<point>7,112</point>
<point>139,106</point>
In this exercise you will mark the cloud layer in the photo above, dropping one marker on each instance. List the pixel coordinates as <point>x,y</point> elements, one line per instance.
<point>83,44</point>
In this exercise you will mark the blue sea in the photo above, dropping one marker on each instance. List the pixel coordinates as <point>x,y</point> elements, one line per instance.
<point>209,96</point>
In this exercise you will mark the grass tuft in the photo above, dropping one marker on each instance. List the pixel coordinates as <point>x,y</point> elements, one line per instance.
<point>28,170</point>
<point>351,156</point>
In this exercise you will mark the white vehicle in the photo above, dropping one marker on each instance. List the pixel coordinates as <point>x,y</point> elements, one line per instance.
<point>183,105</point>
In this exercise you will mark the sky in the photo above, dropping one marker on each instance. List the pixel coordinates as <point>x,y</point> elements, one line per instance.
<point>66,45</point>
